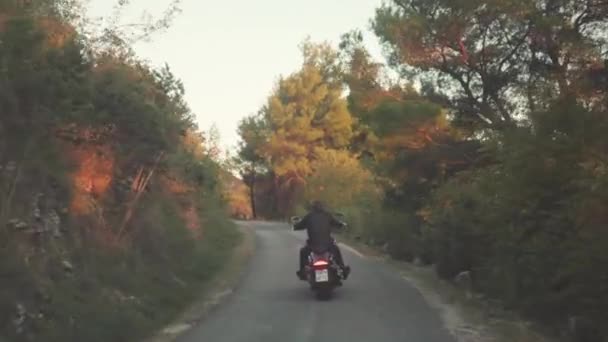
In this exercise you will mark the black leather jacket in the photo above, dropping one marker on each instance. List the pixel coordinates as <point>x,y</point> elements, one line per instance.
<point>318,225</point>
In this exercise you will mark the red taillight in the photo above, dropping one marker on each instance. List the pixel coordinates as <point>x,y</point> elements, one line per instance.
<point>319,263</point>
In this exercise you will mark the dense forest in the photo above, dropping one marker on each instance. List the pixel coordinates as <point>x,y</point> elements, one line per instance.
<point>112,210</point>
<point>479,146</point>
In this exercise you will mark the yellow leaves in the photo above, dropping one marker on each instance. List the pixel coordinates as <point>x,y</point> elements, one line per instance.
<point>415,136</point>
<point>238,197</point>
<point>339,179</point>
<point>58,33</point>
<point>287,156</point>
<point>306,112</point>
<point>194,143</point>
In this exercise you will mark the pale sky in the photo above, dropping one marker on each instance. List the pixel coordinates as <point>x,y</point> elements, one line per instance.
<point>230,53</point>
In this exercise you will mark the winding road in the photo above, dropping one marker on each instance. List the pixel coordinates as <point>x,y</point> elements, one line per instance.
<point>271,305</point>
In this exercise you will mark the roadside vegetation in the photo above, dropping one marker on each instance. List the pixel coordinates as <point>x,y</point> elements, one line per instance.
<point>112,210</point>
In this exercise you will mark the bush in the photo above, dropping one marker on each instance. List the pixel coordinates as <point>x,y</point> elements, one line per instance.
<point>527,227</point>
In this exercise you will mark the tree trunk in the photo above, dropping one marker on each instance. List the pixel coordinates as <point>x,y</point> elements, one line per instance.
<point>252,195</point>
<point>137,188</point>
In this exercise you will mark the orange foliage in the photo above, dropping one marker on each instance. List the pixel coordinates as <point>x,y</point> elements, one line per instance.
<point>188,210</point>
<point>414,138</point>
<point>175,186</point>
<point>92,176</point>
<point>58,33</point>
<point>109,64</point>
<point>238,200</point>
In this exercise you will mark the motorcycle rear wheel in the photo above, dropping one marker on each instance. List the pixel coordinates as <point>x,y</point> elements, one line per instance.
<point>323,294</point>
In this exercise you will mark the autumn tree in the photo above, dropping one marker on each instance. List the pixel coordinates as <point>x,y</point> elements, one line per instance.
<point>340,181</point>
<point>306,114</point>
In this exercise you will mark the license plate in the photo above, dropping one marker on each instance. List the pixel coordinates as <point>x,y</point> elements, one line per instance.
<point>321,276</point>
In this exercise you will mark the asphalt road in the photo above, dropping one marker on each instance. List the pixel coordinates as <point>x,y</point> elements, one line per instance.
<point>271,305</point>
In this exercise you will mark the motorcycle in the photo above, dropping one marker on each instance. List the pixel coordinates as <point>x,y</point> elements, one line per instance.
<point>322,272</point>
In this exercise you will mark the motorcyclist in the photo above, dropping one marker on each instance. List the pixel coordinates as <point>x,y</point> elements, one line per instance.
<point>318,223</point>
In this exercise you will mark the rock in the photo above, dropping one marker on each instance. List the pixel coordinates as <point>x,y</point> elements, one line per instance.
<point>20,317</point>
<point>52,223</point>
<point>36,211</point>
<point>17,224</point>
<point>67,266</point>
<point>464,281</point>
<point>176,329</point>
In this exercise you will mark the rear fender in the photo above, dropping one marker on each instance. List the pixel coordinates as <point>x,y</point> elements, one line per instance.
<point>333,278</point>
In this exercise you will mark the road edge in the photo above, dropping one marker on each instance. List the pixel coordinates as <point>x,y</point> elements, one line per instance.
<point>216,291</point>
<point>468,318</point>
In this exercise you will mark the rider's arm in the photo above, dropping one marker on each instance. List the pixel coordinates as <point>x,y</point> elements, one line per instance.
<point>335,222</point>
<point>302,224</point>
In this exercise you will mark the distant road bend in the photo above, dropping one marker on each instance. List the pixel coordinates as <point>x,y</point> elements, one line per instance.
<point>271,305</point>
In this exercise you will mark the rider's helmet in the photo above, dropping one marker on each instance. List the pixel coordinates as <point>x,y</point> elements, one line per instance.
<point>317,205</point>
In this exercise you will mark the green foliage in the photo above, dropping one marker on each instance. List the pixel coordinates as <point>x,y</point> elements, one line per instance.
<point>66,104</point>
<point>535,216</point>
<point>391,116</point>
<point>518,203</point>
<point>123,296</point>
<point>340,181</point>
<point>492,61</point>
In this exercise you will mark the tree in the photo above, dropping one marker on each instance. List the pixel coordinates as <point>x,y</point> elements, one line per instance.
<point>340,181</point>
<point>306,114</point>
<point>118,37</point>
<point>491,62</point>
<point>250,162</point>
<point>213,149</point>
